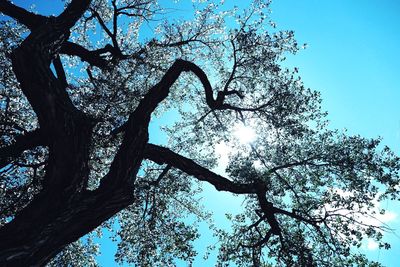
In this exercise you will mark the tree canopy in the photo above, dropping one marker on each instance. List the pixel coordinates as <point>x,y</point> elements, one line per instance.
<point>78,92</point>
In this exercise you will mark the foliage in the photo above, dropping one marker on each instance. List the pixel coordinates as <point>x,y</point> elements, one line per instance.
<point>311,194</point>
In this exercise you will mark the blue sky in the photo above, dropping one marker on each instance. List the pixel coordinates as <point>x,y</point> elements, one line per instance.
<point>353,60</point>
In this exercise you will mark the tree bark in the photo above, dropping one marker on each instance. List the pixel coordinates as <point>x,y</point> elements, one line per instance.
<point>65,210</point>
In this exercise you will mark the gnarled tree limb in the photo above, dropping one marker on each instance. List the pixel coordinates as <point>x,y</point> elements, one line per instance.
<point>23,16</point>
<point>162,155</point>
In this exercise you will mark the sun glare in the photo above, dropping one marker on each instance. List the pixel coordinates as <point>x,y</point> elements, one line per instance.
<point>244,134</point>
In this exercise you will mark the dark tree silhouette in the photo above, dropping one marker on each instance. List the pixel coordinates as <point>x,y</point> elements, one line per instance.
<point>75,145</point>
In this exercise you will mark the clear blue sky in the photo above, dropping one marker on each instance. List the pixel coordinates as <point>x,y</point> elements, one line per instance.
<point>353,60</point>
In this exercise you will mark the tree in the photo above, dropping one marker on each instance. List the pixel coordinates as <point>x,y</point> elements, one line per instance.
<point>75,148</point>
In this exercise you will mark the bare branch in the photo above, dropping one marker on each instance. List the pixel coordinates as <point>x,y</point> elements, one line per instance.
<point>23,16</point>
<point>94,58</point>
<point>102,24</point>
<point>268,209</point>
<point>162,155</point>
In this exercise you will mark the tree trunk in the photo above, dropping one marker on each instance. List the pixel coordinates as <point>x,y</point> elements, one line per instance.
<point>55,224</point>
<point>64,210</point>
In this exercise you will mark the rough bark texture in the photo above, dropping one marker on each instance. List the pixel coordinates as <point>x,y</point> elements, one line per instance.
<point>65,210</point>
<point>50,222</point>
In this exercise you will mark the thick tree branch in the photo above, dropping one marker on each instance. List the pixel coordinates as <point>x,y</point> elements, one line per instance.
<point>72,13</point>
<point>67,171</point>
<point>68,18</point>
<point>33,21</point>
<point>162,155</point>
<point>94,58</point>
<point>130,152</point>
<point>161,90</point>
<point>31,65</point>
<point>268,209</point>
<point>23,16</point>
<point>115,19</point>
<point>137,126</point>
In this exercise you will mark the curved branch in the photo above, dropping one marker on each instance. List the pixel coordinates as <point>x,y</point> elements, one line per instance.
<point>23,16</point>
<point>94,58</point>
<point>161,90</point>
<point>32,21</point>
<point>68,18</point>
<point>162,155</point>
<point>31,64</point>
<point>136,136</point>
<point>69,128</point>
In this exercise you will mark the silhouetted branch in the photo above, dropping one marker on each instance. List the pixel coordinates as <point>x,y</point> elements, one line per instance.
<point>162,155</point>
<point>23,16</point>
<point>269,211</point>
<point>94,57</point>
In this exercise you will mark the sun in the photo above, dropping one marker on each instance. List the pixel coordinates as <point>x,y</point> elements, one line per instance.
<point>244,134</point>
